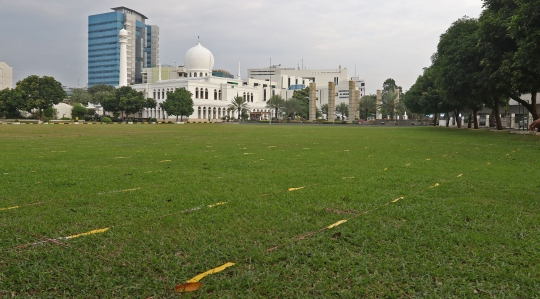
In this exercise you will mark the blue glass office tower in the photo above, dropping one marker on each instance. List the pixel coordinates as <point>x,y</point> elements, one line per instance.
<point>104,46</point>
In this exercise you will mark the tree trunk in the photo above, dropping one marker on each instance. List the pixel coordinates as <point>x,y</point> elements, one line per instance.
<point>497,114</point>
<point>177,118</point>
<point>530,106</point>
<point>469,125</point>
<point>447,117</point>
<point>475,116</point>
<point>457,119</point>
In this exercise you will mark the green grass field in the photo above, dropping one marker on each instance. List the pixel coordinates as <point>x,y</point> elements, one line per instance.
<point>431,212</point>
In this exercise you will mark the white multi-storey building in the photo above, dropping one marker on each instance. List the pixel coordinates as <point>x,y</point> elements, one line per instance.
<point>6,76</point>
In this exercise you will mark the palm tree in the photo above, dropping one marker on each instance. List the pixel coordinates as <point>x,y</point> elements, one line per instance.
<point>390,104</point>
<point>368,104</point>
<point>324,109</point>
<point>343,109</point>
<point>239,104</point>
<point>276,102</point>
<point>292,107</point>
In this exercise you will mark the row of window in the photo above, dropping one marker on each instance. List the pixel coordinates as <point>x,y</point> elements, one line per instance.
<point>204,94</point>
<point>195,74</point>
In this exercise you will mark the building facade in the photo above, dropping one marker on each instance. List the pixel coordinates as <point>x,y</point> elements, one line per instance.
<point>104,46</point>
<point>6,76</point>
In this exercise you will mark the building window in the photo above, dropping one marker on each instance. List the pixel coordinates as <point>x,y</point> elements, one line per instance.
<point>215,94</point>
<point>201,74</point>
<point>158,94</point>
<point>206,93</point>
<point>252,97</point>
<point>197,93</point>
<point>194,74</point>
<point>220,95</point>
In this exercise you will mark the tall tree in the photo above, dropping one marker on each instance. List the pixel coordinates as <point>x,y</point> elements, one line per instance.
<point>509,33</point>
<point>80,95</point>
<point>99,88</point>
<point>179,103</point>
<point>293,107</point>
<point>302,95</point>
<point>423,97</point>
<point>367,105</point>
<point>40,92</point>
<point>458,67</point>
<point>12,103</point>
<point>239,104</point>
<point>130,100</point>
<point>276,102</point>
<point>390,85</point>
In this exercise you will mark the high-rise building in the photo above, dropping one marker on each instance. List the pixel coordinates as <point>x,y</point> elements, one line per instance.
<point>6,76</point>
<point>104,46</point>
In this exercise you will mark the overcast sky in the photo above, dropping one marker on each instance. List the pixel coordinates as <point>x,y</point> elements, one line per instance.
<point>380,39</point>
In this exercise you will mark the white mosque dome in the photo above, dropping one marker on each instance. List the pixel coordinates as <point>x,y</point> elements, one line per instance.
<point>199,59</point>
<point>123,32</point>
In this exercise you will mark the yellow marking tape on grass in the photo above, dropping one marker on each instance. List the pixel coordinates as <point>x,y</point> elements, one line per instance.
<point>165,161</point>
<point>216,204</point>
<point>215,270</point>
<point>10,208</point>
<point>397,199</point>
<point>92,232</point>
<point>336,224</point>
<point>460,175</point>
<point>294,189</point>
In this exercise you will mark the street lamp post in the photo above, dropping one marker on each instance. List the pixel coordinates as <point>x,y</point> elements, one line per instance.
<point>270,85</point>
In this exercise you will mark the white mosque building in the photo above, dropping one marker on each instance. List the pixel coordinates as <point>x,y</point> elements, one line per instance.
<point>211,95</point>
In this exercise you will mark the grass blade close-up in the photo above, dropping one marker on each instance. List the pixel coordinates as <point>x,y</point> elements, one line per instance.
<point>263,211</point>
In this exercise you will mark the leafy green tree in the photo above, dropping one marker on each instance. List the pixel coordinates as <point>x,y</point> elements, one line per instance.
<point>302,95</point>
<point>390,85</point>
<point>276,102</point>
<point>239,104</point>
<point>50,112</point>
<point>178,102</point>
<point>40,92</point>
<point>458,67</point>
<point>124,99</point>
<point>343,109</point>
<point>151,103</point>
<point>292,107</point>
<point>524,29</point>
<point>99,92</point>
<point>12,102</point>
<point>111,103</point>
<point>367,105</point>
<point>509,33</point>
<point>99,88</point>
<point>78,110</point>
<point>80,95</point>
<point>423,97</point>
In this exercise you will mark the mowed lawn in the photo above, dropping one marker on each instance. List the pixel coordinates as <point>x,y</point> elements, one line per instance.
<point>431,212</point>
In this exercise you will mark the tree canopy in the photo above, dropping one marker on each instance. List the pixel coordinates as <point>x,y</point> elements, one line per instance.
<point>40,92</point>
<point>179,103</point>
